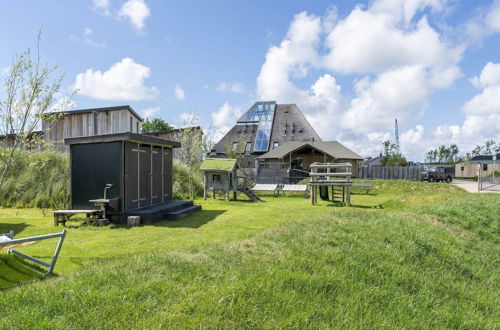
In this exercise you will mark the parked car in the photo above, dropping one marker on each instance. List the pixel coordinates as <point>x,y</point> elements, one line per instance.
<point>438,173</point>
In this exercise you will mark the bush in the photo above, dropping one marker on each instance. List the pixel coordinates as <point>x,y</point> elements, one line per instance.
<point>38,179</point>
<point>181,181</point>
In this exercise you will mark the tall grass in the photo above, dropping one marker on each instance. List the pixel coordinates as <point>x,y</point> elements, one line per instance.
<point>42,180</point>
<point>37,179</point>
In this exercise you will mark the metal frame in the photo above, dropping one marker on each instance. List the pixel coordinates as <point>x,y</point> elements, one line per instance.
<point>50,265</point>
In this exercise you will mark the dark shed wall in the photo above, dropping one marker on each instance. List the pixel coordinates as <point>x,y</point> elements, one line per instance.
<point>93,166</point>
<point>148,175</point>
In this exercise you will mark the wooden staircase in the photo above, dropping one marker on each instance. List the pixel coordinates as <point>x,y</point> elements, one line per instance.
<point>250,194</point>
<point>338,194</point>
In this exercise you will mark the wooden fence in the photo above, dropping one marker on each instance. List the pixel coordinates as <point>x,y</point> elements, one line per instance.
<point>410,173</point>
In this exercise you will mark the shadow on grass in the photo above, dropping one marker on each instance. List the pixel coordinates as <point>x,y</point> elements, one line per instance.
<point>16,227</point>
<point>195,220</point>
<point>15,271</point>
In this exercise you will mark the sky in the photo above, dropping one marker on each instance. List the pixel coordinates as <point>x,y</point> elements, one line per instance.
<point>352,67</point>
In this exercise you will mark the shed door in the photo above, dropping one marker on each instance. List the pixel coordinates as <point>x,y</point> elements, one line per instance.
<point>167,174</point>
<point>156,176</point>
<point>144,176</point>
<point>131,175</point>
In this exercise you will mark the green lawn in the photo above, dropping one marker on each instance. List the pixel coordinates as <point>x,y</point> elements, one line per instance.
<point>407,255</point>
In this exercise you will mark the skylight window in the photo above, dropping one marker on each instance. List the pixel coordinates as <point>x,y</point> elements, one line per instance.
<point>263,113</point>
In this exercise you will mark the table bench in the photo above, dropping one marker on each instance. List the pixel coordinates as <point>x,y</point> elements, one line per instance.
<point>365,186</point>
<point>61,216</point>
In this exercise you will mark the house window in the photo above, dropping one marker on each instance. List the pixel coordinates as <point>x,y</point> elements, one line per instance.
<point>249,164</point>
<point>235,146</point>
<point>137,127</point>
<point>275,145</point>
<point>462,168</point>
<point>131,124</point>
<point>216,178</point>
<point>248,147</point>
<point>485,167</point>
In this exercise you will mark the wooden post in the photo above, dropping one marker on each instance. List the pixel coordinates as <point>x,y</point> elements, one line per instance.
<point>227,195</point>
<point>205,186</point>
<point>234,195</point>
<point>348,195</point>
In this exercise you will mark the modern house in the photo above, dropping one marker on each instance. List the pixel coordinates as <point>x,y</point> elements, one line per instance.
<point>469,169</point>
<point>262,128</point>
<point>90,122</point>
<point>291,161</point>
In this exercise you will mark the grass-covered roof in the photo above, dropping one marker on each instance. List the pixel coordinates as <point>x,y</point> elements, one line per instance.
<point>218,164</point>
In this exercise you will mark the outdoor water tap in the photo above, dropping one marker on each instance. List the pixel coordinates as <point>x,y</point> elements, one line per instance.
<point>108,186</point>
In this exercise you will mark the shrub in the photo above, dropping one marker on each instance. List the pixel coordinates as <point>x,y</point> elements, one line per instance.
<point>38,179</point>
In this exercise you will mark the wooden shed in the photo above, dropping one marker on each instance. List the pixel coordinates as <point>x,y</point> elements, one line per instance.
<point>138,167</point>
<point>219,174</point>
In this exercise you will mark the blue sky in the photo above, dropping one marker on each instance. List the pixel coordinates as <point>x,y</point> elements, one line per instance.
<point>351,66</point>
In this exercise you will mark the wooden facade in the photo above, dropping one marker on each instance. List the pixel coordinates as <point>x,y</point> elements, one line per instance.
<point>90,122</point>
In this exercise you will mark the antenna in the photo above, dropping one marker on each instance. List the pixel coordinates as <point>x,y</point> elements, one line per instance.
<point>396,134</point>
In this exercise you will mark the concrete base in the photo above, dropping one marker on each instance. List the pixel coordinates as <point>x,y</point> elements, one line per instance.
<point>133,221</point>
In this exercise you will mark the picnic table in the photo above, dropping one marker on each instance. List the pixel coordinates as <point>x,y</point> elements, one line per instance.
<point>61,216</point>
<point>365,186</point>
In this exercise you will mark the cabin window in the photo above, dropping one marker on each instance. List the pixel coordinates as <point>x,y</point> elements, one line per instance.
<point>249,164</point>
<point>95,122</point>
<point>462,168</point>
<point>275,145</point>
<point>485,167</point>
<point>131,124</point>
<point>248,147</point>
<point>216,178</point>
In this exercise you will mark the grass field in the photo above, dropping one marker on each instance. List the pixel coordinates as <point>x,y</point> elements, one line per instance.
<point>407,255</point>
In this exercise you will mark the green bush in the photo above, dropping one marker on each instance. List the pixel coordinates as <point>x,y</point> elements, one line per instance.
<point>37,179</point>
<point>181,181</point>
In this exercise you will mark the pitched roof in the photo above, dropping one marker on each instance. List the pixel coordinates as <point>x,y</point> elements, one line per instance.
<point>128,136</point>
<point>218,164</point>
<point>332,148</point>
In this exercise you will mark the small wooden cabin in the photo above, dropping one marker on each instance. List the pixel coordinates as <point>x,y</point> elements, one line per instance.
<point>138,166</point>
<point>219,174</point>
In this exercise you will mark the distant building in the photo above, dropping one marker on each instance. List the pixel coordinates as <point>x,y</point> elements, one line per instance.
<point>377,161</point>
<point>89,122</point>
<point>176,135</point>
<point>468,169</point>
<point>290,162</point>
<point>262,128</point>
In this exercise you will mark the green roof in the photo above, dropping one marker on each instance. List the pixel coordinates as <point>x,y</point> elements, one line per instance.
<point>218,164</point>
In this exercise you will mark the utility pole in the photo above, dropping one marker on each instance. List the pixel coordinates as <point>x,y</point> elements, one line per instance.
<point>396,134</point>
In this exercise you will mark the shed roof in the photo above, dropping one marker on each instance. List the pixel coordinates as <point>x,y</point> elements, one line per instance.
<point>332,148</point>
<point>218,164</point>
<point>131,137</point>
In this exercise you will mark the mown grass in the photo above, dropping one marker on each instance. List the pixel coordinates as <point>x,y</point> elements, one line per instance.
<point>408,255</point>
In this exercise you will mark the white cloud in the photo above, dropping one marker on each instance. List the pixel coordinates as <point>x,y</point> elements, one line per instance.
<point>136,11</point>
<point>87,38</point>
<point>397,57</point>
<point>101,6</point>
<point>224,118</point>
<point>231,87</point>
<point>179,93</point>
<point>123,81</point>
<point>150,112</point>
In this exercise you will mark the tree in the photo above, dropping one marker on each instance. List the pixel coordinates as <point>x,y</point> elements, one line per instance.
<point>392,157</point>
<point>191,151</point>
<point>156,124</point>
<point>29,94</point>
<point>443,154</point>
<point>235,149</point>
